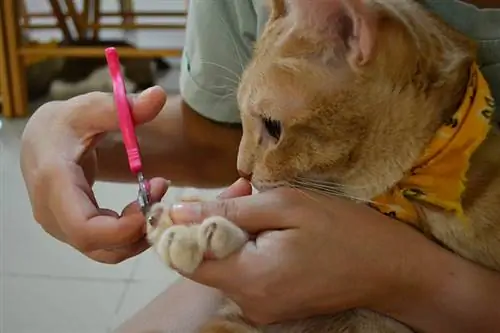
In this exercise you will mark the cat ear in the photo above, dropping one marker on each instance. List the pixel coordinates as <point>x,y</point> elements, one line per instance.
<point>351,22</point>
<point>278,9</point>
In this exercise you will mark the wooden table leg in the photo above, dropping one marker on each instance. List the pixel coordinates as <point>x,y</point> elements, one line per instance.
<point>5,84</point>
<point>16,65</point>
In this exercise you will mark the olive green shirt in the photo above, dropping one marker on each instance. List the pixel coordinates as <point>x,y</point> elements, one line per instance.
<point>220,35</point>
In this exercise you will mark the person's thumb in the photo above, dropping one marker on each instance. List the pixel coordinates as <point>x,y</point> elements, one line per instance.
<point>97,111</point>
<point>253,213</point>
<point>239,188</point>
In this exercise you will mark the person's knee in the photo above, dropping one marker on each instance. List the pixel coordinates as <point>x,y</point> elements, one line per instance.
<point>183,307</point>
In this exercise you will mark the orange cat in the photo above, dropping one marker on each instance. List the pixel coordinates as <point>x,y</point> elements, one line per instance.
<point>374,100</point>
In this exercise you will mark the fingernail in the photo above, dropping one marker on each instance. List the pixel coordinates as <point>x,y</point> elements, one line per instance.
<point>150,90</point>
<point>185,213</point>
<point>235,190</point>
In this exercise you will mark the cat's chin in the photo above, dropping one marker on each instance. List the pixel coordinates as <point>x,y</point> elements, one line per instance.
<point>255,189</point>
<point>258,187</point>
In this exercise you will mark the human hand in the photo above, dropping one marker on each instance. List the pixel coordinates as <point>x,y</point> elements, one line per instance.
<point>59,164</point>
<point>312,255</point>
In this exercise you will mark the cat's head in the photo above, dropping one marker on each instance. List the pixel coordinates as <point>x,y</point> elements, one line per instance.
<point>347,92</point>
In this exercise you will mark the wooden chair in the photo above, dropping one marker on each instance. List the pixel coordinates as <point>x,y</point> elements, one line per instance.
<point>90,18</point>
<point>129,18</point>
<point>73,25</point>
<point>93,15</point>
<point>12,33</point>
<point>83,23</point>
<point>5,92</point>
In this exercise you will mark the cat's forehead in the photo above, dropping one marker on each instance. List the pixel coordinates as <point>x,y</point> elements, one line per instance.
<point>274,98</point>
<point>287,92</point>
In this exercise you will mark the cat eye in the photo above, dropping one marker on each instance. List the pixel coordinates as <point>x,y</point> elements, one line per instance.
<point>273,127</point>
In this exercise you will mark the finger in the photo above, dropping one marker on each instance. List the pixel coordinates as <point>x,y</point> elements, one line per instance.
<point>89,229</point>
<point>117,256</point>
<point>240,188</point>
<point>221,274</point>
<point>130,214</point>
<point>255,213</point>
<point>159,187</point>
<point>248,264</point>
<point>99,113</point>
<point>108,212</point>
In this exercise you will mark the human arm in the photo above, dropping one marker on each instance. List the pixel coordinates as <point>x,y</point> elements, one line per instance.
<point>194,139</point>
<point>180,145</point>
<point>450,294</point>
<point>355,258</point>
<point>59,161</point>
<point>485,3</point>
<point>184,307</point>
<point>59,167</point>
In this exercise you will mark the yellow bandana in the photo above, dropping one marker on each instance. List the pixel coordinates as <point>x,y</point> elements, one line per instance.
<point>439,176</point>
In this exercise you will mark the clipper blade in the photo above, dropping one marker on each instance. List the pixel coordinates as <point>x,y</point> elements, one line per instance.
<point>143,197</point>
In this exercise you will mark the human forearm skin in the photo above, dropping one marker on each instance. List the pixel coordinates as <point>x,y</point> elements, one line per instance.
<point>179,145</point>
<point>447,294</point>
<point>485,3</point>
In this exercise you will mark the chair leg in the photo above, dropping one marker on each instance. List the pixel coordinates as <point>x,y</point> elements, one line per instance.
<point>76,17</point>
<point>16,65</point>
<point>87,17</point>
<point>61,19</point>
<point>97,19</point>
<point>127,10</point>
<point>5,85</point>
<point>23,13</point>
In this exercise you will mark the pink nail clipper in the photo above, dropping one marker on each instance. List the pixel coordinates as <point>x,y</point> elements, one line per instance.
<point>127,127</point>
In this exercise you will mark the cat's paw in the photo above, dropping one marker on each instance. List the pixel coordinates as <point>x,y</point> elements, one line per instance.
<point>158,220</point>
<point>183,247</point>
<point>220,238</point>
<point>179,249</point>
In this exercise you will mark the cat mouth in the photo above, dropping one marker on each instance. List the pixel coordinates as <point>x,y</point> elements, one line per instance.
<point>261,186</point>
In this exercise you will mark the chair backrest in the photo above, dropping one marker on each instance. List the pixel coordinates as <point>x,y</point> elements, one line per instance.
<point>87,19</point>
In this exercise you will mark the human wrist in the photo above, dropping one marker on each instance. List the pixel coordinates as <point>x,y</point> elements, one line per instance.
<point>470,299</point>
<point>173,146</point>
<point>417,286</point>
<point>485,3</point>
<point>442,292</point>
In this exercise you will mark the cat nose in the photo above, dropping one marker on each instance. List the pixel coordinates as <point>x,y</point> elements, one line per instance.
<point>247,176</point>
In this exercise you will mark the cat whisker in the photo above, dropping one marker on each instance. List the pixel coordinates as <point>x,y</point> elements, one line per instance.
<point>229,89</point>
<point>304,193</point>
<point>236,82</point>
<point>324,186</point>
<point>331,192</point>
<point>236,48</point>
<point>229,94</point>
<point>224,97</point>
<point>230,71</point>
<point>329,188</point>
<point>328,182</point>
<point>341,195</point>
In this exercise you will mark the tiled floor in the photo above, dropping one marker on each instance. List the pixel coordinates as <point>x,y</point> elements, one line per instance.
<point>48,287</point>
